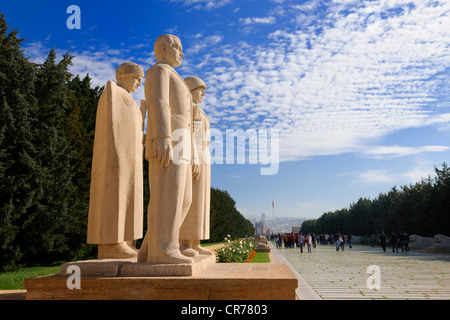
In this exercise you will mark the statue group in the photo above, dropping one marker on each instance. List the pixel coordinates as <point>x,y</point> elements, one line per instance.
<point>176,148</point>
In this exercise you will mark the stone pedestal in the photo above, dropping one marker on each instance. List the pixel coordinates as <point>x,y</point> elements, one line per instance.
<point>221,281</point>
<point>263,244</point>
<point>132,268</point>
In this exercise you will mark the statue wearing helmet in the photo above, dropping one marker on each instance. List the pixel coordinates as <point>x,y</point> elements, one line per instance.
<point>196,224</point>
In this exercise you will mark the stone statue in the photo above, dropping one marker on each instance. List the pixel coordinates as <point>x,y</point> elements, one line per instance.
<point>196,225</point>
<point>442,244</point>
<point>420,243</point>
<point>263,244</point>
<point>169,110</point>
<point>116,194</point>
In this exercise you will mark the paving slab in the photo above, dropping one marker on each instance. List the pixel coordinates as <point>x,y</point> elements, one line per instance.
<point>336,275</point>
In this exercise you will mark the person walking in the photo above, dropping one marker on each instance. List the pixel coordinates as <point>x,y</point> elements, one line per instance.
<point>301,241</point>
<point>401,241</point>
<point>406,242</point>
<point>394,242</point>
<point>349,240</point>
<point>383,240</point>
<point>309,242</point>
<point>336,240</point>
<point>372,241</point>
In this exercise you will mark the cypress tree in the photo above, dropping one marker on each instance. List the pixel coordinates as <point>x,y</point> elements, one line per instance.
<point>225,218</point>
<point>82,102</point>
<point>48,220</point>
<point>17,178</point>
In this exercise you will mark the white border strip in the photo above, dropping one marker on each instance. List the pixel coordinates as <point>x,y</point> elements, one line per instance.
<point>304,291</point>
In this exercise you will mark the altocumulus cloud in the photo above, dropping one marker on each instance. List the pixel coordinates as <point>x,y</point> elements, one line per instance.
<point>203,4</point>
<point>351,73</point>
<point>364,70</point>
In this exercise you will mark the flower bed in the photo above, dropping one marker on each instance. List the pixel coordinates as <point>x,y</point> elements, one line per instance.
<point>236,250</point>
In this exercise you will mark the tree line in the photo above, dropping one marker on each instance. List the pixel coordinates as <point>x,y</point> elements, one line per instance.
<point>47,128</point>
<point>421,208</point>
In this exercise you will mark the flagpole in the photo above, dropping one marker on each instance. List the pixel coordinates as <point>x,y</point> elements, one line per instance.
<point>273,206</point>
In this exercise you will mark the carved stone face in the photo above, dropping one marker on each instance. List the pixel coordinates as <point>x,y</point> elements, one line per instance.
<point>131,84</point>
<point>173,53</point>
<point>197,95</point>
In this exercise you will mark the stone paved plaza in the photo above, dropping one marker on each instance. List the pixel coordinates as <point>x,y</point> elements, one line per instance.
<point>327,274</point>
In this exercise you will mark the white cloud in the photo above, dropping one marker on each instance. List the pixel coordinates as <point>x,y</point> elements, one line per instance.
<point>416,174</point>
<point>383,176</point>
<point>203,4</point>
<point>342,88</point>
<point>258,20</point>
<point>375,177</point>
<point>400,151</point>
<point>336,85</point>
<point>203,42</point>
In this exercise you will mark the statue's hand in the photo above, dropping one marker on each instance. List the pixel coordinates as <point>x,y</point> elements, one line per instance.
<point>196,171</point>
<point>164,150</point>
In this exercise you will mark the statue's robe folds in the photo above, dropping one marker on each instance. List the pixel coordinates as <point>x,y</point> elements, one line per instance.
<point>196,223</point>
<point>116,195</point>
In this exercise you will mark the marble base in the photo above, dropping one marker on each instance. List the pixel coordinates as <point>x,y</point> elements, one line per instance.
<point>222,281</point>
<point>436,248</point>
<point>132,268</point>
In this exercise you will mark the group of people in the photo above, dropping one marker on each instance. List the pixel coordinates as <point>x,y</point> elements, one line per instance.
<point>400,240</point>
<point>337,238</point>
<point>300,240</point>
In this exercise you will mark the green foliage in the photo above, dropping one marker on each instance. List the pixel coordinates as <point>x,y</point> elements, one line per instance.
<point>82,102</point>
<point>422,208</point>
<point>14,280</point>
<point>18,182</point>
<point>46,137</point>
<point>226,219</point>
<point>260,257</point>
<point>236,250</point>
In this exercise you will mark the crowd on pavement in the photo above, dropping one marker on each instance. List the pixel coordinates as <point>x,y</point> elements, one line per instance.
<point>397,241</point>
<point>309,241</point>
<point>300,240</point>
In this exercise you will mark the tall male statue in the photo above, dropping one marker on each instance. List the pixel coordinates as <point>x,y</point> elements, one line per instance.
<point>169,109</point>
<point>196,225</point>
<point>116,195</point>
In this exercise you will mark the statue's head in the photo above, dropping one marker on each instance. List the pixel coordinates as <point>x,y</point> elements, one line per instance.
<point>168,49</point>
<point>197,87</point>
<point>129,76</point>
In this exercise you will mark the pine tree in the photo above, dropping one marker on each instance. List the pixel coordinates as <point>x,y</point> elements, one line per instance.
<point>17,179</point>
<point>226,219</point>
<point>82,102</point>
<point>47,221</point>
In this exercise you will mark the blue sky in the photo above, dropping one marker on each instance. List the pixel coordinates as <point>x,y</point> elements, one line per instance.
<point>358,90</point>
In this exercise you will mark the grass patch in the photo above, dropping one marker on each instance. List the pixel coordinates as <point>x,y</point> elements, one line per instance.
<point>210,243</point>
<point>13,280</point>
<point>260,257</point>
